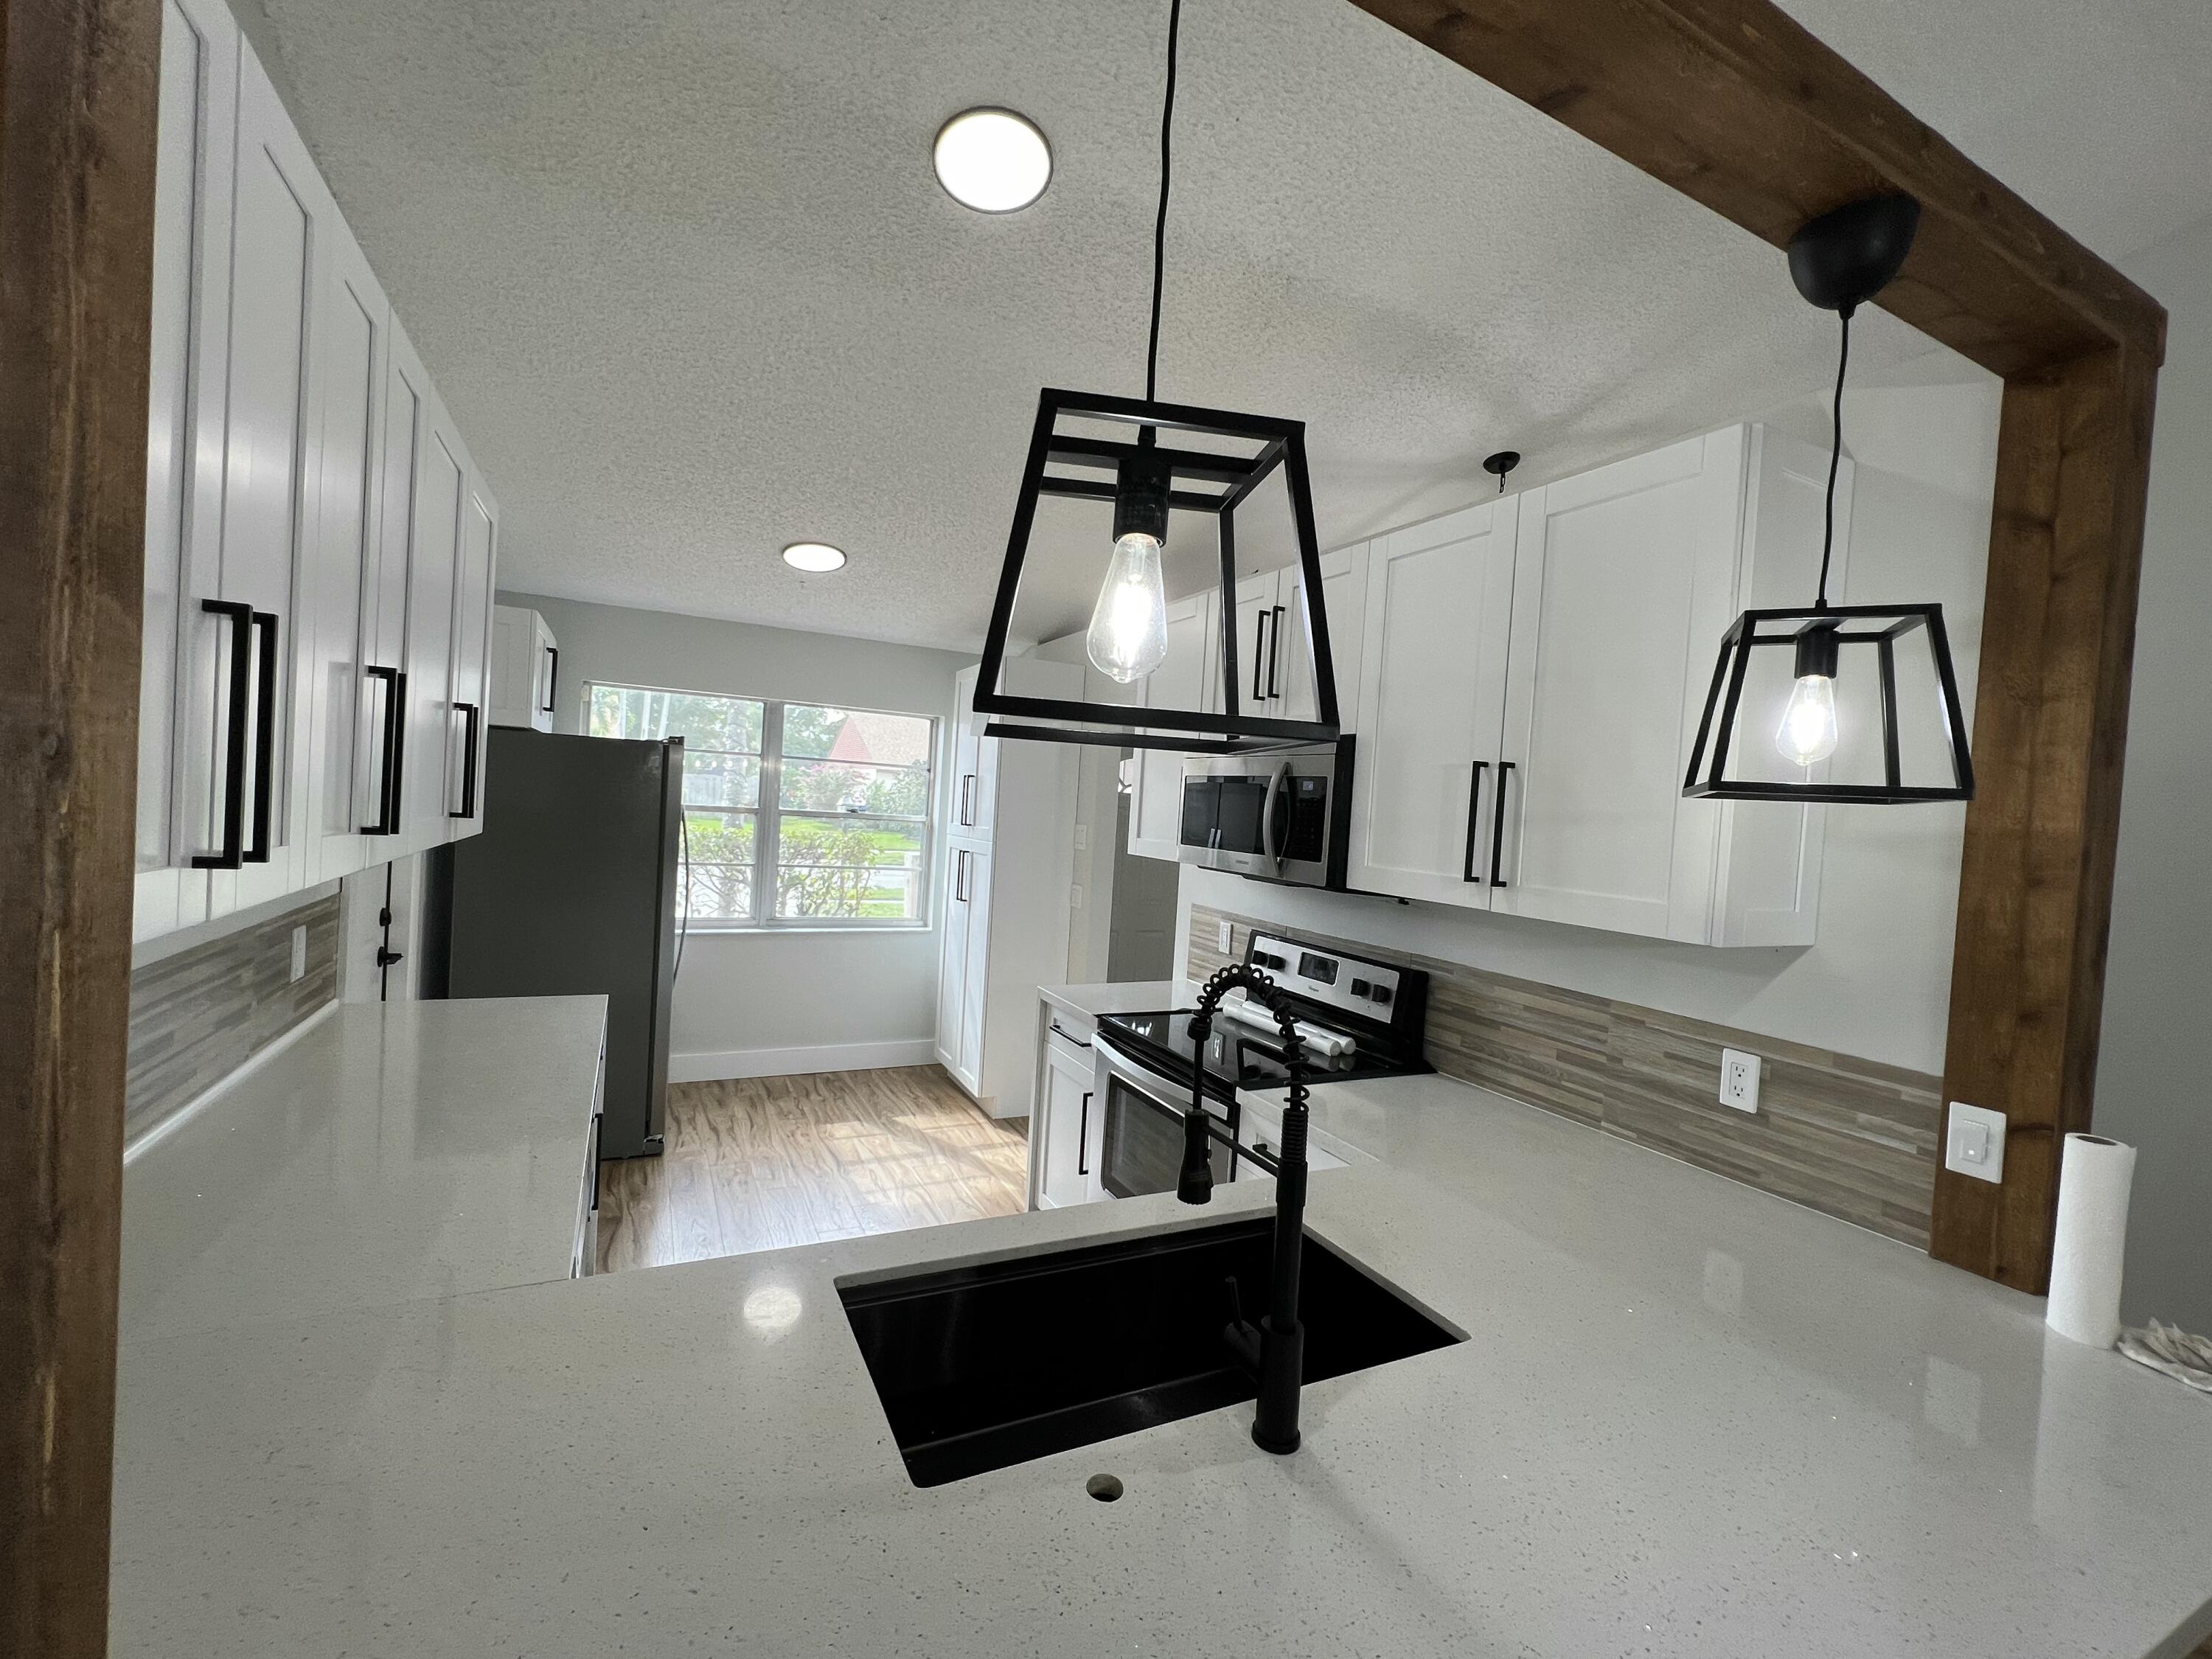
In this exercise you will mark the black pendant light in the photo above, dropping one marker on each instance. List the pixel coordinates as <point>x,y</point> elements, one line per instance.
<point>1840,261</point>
<point>1211,463</point>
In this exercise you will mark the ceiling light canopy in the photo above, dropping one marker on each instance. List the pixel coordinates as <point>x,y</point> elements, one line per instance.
<point>993,160</point>
<point>814,556</point>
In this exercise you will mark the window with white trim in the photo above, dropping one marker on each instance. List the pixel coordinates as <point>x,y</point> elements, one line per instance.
<point>796,815</point>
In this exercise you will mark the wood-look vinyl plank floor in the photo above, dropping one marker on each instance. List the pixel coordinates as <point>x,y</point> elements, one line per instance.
<point>761,1164</point>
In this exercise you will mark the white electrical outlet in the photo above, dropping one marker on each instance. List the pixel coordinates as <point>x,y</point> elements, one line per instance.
<point>1739,1079</point>
<point>1974,1142</point>
<point>1228,938</point>
<point>1075,897</point>
<point>299,951</point>
<point>1082,837</point>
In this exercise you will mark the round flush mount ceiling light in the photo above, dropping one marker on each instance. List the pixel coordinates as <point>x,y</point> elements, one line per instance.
<point>993,160</point>
<point>814,556</point>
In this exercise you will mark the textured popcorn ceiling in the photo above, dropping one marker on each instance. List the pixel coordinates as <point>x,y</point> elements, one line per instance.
<point>682,270</point>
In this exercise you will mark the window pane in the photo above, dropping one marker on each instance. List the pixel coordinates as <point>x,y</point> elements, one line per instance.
<point>712,780</point>
<point>716,892</point>
<point>720,838</point>
<point>820,733</point>
<point>858,867</point>
<point>619,711</point>
<point>828,786</point>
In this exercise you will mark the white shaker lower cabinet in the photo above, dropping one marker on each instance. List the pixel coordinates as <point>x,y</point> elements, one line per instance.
<point>1009,872</point>
<point>1431,703</point>
<point>1624,580</point>
<point>1186,678</point>
<point>526,670</point>
<point>1068,1132</point>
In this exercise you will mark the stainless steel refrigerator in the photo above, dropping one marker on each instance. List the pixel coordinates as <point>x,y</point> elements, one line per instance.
<point>571,887</point>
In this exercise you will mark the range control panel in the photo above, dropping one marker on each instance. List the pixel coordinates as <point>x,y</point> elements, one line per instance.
<point>1370,990</point>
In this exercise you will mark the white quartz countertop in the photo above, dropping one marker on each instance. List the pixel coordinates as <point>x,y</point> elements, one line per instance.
<point>1138,996</point>
<point>394,1150</point>
<point>1690,1419</point>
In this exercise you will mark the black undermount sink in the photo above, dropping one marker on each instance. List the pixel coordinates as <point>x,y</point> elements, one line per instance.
<point>985,1366</point>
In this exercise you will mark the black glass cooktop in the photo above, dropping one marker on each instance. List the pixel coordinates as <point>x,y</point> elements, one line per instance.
<point>1241,1057</point>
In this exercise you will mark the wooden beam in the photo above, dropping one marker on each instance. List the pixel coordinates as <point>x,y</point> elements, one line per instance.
<point>77,90</point>
<point>1739,107</point>
<point>2035,887</point>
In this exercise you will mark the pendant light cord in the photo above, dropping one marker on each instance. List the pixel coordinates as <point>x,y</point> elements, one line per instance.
<point>1160,226</point>
<point>1835,460</point>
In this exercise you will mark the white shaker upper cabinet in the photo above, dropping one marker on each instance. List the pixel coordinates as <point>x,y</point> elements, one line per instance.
<point>525,667</point>
<point>1187,678</point>
<point>1344,599</point>
<point>1431,692</point>
<point>281,219</point>
<point>471,676</point>
<point>1626,578</point>
<point>178,761</point>
<point>427,746</point>
<point>342,570</point>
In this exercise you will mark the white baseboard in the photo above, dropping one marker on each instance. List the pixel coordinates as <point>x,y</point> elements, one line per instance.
<point>794,1062</point>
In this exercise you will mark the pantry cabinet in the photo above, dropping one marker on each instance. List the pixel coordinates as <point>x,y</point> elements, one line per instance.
<point>299,624</point>
<point>1010,860</point>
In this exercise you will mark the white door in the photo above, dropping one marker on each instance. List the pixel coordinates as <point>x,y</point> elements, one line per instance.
<point>197,127</point>
<point>441,490</point>
<point>953,964</point>
<point>473,591</point>
<point>1624,583</point>
<point>1070,1172</point>
<point>281,218</point>
<point>967,756</point>
<point>1431,701</point>
<point>1343,598</point>
<point>341,567</point>
<point>1182,681</point>
<point>975,991</point>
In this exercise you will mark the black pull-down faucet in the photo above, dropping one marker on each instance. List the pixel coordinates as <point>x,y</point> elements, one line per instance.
<point>1277,1350</point>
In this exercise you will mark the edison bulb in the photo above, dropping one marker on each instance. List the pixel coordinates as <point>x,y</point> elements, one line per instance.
<point>1807,734</point>
<point>1128,635</point>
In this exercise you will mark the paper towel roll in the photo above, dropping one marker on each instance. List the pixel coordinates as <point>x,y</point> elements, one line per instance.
<point>2093,1177</point>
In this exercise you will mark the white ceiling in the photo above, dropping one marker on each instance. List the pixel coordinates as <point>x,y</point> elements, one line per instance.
<point>683,274</point>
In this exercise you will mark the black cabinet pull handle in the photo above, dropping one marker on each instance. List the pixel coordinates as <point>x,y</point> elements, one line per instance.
<point>1258,633</point>
<point>968,800</point>
<point>1083,1138</point>
<point>1473,818</point>
<point>230,853</point>
<point>265,741</point>
<point>472,721</point>
<point>552,679</point>
<point>1274,650</point>
<point>387,822</point>
<point>960,877</point>
<point>1498,828</point>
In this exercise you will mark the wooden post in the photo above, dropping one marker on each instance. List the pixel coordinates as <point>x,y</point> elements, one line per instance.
<point>1736,105</point>
<point>77,86</point>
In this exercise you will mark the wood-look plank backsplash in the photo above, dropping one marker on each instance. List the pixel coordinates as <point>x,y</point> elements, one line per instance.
<point>198,1016</point>
<point>1854,1137</point>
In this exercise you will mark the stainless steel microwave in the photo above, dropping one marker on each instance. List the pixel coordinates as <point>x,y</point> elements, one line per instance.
<point>1282,816</point>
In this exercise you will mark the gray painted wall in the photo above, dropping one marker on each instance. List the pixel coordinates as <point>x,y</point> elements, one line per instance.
<point>781,989</point>
<point>2155,1066</point>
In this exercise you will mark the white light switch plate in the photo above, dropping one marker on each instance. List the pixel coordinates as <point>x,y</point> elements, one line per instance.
<point>299,951</point>
<point>1227,938</point>
<point>1739,1079</point>
<point>1974,1142</point>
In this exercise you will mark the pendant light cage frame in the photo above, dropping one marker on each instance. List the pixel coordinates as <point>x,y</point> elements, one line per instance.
<point>1066,464</point>
<point>1881,626</point>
